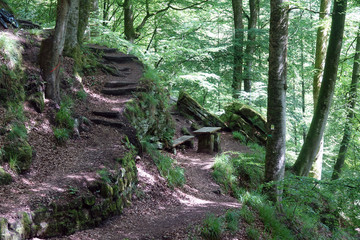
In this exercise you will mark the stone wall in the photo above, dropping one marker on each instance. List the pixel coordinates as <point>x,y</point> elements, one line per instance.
<point>103,198</point>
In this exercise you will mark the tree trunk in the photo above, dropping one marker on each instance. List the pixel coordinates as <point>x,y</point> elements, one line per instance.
<point>71,37</point>
<point>84,13</point>
<point>321,43</point>
<point>276,115</point>
<point>352,101</point>
<point>238,46</point>
<point>51,49</point>
<point>312,142</point>
<point>129,21</point>
<point>250,47</point>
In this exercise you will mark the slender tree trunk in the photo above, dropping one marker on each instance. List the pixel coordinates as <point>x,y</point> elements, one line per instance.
<point>250,47</point>
<point>321,43</point>
<point>51,50</point>
<point>352,101</point>
<point>276,115</point>
<point>312,142</point>
<point>71,37</point>
<point>129,21</point>
<point>238,46</point>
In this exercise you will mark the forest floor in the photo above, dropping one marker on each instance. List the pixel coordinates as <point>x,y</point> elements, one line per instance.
<point>157,211</point>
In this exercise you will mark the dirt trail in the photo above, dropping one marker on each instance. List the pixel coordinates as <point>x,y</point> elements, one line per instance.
<point>161,213</point>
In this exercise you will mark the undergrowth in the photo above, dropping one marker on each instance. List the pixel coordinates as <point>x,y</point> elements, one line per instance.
<point>167,166</point>
<point>310,209</point>
<point>64,121</point>
<point>149,111</point>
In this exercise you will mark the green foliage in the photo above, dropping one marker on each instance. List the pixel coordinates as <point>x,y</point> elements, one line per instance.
<point>105,175</point>
<point>72,190</point>
<point>19,155</point>
<point>11,74</point>
<point>252,232</point>
<point>149,111</point>
<point>239,136</point>
<point>174,175</point>
<point>244,170</point>
<point>14,112</point>
<point>247,214</point>
<point>5,178</point>
<point>61,135</point>
<point>81,95</point>
<point>232,220</point>
<point>64,121</point>
<point>212,228</point>
<point>18,130</point>
<point>320,204</point>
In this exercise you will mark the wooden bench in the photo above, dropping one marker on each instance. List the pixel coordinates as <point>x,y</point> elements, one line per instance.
<point>209,139</point>
<point>186,139</point>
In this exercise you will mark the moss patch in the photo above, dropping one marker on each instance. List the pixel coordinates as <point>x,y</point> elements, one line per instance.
<point>5,178</point>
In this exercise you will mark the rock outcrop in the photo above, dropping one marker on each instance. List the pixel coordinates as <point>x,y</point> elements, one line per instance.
<point>246,120</point>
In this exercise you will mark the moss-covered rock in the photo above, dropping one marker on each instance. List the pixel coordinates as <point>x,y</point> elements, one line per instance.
<point>246,120</point>
<point>190,107</point>
<point>5,178</point>
<point>19,155</point>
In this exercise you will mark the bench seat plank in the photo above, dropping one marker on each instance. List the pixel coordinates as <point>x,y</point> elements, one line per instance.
<point>182,139</point>
<point>207,130</point>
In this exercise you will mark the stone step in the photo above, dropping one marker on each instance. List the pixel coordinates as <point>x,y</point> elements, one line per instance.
<point>120,58</point>
<point>120,90</point>
<point>118,84</point>
<point>98,49</point>
<point>107,114</point>
<point>106,122</point>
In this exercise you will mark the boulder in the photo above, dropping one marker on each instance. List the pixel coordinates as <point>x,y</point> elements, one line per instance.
<point>250,123</point>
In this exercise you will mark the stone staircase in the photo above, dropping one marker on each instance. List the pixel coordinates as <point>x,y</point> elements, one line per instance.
<point>121,81</point>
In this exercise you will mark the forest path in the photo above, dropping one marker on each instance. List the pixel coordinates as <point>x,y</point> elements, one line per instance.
<point>158,212</point>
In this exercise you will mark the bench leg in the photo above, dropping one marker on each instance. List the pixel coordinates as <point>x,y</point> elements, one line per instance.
<point>217,142</point>
<point>206,143</point>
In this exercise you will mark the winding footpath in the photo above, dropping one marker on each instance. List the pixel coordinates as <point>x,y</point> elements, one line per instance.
<point>157,212</point>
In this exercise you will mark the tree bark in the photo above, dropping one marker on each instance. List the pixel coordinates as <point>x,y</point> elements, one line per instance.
<point>71,37</point>
<point>51,50</point>
<point>312,142</point>
<point>250,47</point>
<point>84,13</point>
<point>321,43</point>
<point>130,32</point>
<point>276,114</point>
<point>238,47</point>
<point>352,102</point>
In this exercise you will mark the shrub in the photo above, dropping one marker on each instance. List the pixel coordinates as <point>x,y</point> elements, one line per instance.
<point>212,228</point>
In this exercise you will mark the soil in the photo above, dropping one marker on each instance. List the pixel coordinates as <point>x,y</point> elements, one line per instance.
<point>157,211</point>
